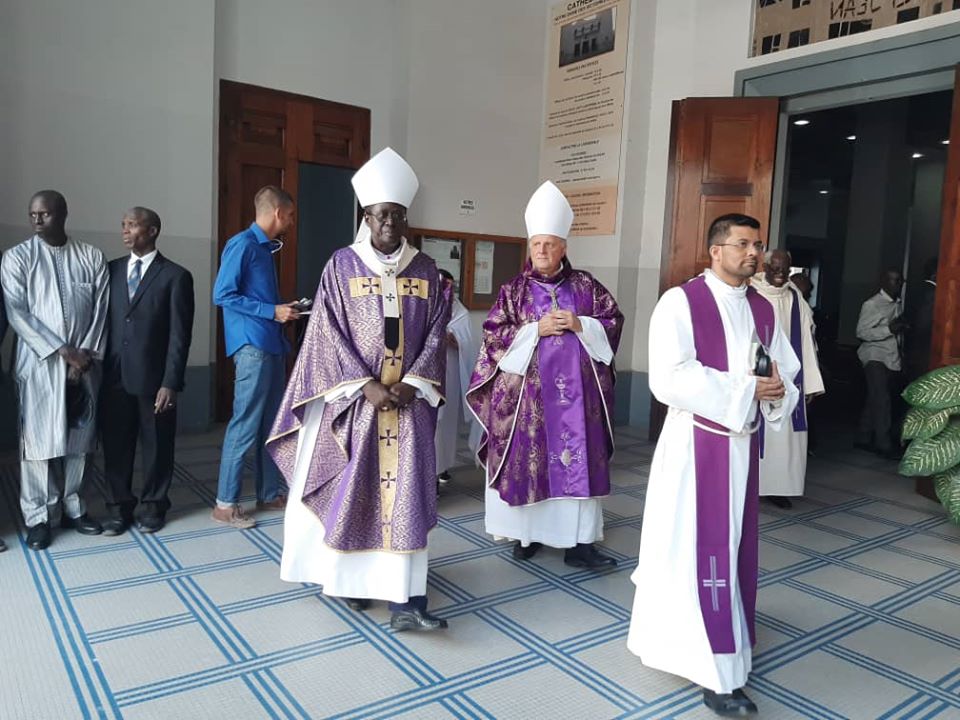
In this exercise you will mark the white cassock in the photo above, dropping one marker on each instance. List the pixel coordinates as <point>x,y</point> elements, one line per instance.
<point>783,466</point>
<point>667,628</point>
<point>558,522</point>
<point>460,362</point>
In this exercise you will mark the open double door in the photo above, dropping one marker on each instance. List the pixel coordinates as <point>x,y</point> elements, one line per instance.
<point>722,152</point>
<point>722,160</point>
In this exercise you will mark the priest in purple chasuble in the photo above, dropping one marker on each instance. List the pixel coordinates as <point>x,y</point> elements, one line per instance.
<point>696,579</point>
<point>543,392</point>
<point>783,454</point>
<point>354,436</point>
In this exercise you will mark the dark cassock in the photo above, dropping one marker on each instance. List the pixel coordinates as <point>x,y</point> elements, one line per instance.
<point>362,476</point>
<point>543,391</point>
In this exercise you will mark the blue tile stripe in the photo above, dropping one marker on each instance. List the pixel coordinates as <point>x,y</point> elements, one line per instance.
<point>430,687</point>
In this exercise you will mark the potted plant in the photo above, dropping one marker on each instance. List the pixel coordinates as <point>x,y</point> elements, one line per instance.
<point>932,426</point>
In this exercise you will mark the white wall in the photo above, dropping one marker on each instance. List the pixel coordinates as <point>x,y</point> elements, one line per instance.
<point>111,103</point>
<point>475,99</point>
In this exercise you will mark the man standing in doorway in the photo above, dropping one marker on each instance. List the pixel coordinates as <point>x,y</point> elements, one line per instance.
<point>355,433</point>
<point>543,391</point>
<point>253,316</point>
<point>56,289</point>
<point>696,578</point>
<point>880,329</point>
<point>783,453</point>
<point>150,330</point>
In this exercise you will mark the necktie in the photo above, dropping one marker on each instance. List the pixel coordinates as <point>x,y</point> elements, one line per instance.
<point>133,282</point>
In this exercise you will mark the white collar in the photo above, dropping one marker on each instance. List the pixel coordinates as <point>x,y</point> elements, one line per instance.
<point>883,294</point>
<point>375,262</point>
<point>719,286</point>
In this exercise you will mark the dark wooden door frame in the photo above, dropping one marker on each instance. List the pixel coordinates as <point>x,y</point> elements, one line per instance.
<point>268,130</point>
<point>706,179</point>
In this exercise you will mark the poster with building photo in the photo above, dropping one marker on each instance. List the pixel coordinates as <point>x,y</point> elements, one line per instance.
<point>583,116</point>
<point>447,255</point>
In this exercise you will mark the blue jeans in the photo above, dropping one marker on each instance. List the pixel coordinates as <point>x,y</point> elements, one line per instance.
<point>257,392</point>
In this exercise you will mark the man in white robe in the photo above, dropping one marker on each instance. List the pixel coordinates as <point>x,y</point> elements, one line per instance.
<point>697,571</point>
<point>462,348</point>
<point>783,456</point>
<point>56,291</point>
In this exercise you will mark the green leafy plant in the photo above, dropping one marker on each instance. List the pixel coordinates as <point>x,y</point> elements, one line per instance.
<point>933,428</point>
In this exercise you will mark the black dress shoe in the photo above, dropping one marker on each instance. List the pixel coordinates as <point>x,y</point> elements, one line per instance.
<point>781,502</point>
<point>85,525</point>
<point>416,619</point>
<point>358,604</point>
<point>114,526</point>
<point>39,536</point>
<point>3,545</point>
<point>587,556</point>
<point>525,553</point>
<point>733,704</point>
<point>150,523</point>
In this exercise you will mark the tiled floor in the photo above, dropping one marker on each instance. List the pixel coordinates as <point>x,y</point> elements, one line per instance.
<point>858,612</point>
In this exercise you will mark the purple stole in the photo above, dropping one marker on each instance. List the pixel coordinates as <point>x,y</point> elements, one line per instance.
<point>712,464</point>
<point>796,341</point>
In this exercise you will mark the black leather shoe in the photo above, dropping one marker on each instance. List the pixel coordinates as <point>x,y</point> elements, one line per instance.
<point>114,526</point>
<point>39,536</point>
<point>587,556</point>
<point>3,545</point>
<point>150,523</point>
<point>525,553</point>
<point>734,704</point>
<point>85,525</point>
<point>781,502</point>
<point>416,619</point>
<point>358,604</point>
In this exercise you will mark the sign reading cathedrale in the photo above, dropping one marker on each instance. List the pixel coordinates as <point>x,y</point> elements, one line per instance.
<point>583,115</point>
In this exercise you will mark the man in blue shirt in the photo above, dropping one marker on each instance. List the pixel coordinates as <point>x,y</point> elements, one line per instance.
<point>253,316</point>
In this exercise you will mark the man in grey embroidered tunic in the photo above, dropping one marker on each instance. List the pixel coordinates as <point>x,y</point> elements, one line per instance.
<point>55,288</point>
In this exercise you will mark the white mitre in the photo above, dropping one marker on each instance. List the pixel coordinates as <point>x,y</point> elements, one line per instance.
<point>548,212</point>
<point>385,178</point>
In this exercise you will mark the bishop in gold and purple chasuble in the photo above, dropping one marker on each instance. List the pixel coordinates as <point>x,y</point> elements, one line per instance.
<point>371,479</point>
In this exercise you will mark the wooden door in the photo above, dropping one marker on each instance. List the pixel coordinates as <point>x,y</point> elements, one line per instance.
<point>264,136</point>
<point>945,343</point>
<point>721,161</point>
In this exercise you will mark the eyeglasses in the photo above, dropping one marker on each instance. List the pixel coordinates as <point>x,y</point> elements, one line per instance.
<point>397,216</point>
<point>743,246</point>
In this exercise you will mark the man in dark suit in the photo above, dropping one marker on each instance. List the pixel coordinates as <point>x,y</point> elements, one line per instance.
<point>150,328</point>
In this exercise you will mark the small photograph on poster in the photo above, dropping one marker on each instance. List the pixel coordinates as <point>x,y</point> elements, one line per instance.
<point>588,37</point>
<point>447,255</point>
<point>483,268</point>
